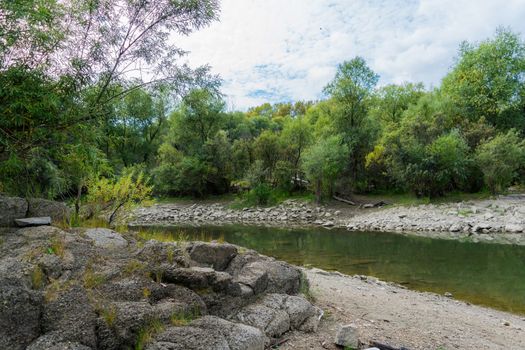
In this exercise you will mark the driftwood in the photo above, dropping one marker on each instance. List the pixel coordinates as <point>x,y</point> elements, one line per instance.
<point>384,346</point>
<point>343,200</point>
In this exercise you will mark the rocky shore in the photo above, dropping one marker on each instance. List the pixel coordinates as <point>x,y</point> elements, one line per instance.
<point>500,220</point>
<point>97,289</point>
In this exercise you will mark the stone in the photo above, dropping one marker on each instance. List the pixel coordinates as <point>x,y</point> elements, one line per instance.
<point>213,254</point>
<point>347,336</point>
<point>454,228</point>
<point>106,238</point>
<point>272,322</point>
<point>55,341</point>
<point>239,336</point>
<point>58,211</point>
<point>11,208</point>
<point>513,228</point>
<point>254,275</point>
<point>19,316</point>
<point>188,338</point>
<point>37,221</point>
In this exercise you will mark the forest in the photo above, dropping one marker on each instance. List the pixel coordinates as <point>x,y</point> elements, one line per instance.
<point>90,101</point>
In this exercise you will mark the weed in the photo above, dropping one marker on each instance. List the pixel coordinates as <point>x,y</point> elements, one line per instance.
<point>304,288</point>
<point>91,279</point>
<point>132,267</point>
<point>146,292</point>
<point>147,332</point>
<point>464,212</point>
<point>37,278</point>
<point>57,247</point>
<point>183,318</point>
<point>170,251</point>
<point>56,287</point>
<point>109,314</point>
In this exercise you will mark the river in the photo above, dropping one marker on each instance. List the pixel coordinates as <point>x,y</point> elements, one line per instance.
<point>486,274</point>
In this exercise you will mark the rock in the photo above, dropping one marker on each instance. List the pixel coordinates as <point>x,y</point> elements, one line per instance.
<point>254,275</point>
<point>298,309</point>
<point>282,277</point>
<point>448,295</point>
<point>71,315</point>
<point>55,341</point>
<point>454,228</point>
<point>11,208</point>
<point>188,338</point>
<point>513,228</point>
<point>328,224</point>
<point>213,254</point>
<point>38,221</point>
<point>238,336</point>
<point>347,336</point>
<point>273,322</point>
<point>58,211</point>
<point>106,238</point>
<point>20,311</point>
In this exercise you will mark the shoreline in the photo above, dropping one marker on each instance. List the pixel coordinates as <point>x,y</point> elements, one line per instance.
<point>500,220</point>
<point>390,314</point>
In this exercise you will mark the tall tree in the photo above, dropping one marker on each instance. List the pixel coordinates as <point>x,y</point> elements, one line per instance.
<point>351,88</point>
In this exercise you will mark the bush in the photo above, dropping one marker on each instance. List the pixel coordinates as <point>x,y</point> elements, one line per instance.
<point>499,159</point>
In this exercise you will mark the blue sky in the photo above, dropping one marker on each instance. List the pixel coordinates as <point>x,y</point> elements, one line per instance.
<point>287,50</point>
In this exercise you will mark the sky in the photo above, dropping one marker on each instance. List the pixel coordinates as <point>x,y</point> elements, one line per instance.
<point>288,50</point>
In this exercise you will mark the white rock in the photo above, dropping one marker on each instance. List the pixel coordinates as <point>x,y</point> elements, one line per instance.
<point>513,228</point>
<point>106,238</point>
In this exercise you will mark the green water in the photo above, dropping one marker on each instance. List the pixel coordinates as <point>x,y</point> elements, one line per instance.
<point>486,274</point>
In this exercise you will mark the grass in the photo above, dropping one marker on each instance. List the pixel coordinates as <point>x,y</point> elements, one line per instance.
<point>56,287</point>
<point>276,197</point>
<point>163,236</point>
<point>57,247</point>
<point>304,288</point>
<point>411,199</point>
<point>147,333</point>
<point>37,278</point>
<point>109,314</point>
<point>91,279</point>
<point>183,318</point>
<point>133,266</point>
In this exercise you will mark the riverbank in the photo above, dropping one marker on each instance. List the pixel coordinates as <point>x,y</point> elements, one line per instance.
<point>389,314</point>
<point>499,220</point>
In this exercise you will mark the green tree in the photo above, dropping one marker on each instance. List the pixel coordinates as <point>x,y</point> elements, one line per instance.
<point>351,89</point>
<point>323,163</point>
<point>488,80</point>
<point>500,158</point>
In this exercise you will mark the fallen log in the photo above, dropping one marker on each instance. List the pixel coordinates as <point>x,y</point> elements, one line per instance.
<point>343,200</point>
<point>384,346</point>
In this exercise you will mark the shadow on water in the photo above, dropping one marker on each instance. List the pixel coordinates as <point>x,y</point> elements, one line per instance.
<point>486,274</point>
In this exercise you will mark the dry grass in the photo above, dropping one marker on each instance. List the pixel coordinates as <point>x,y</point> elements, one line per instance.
<point>37,278</point>
<point>147,333</point>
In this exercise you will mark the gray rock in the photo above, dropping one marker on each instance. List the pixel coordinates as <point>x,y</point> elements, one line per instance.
<point>20,311</point>
<point>213,254</point>
<point>189,338</point>
<point>38,221</point>
<point>272,322</point>
<point>106,238</point>
<point>58,211</point>
<point>298,309</point>
<point>347,336</point>
<point>254,275</point>
<point>239,336</point>
<point>55,341</point>
<point>11,208</point>
<point>454,228</point>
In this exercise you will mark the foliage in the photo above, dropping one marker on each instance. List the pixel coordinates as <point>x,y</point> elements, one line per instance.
<point>323,163</point>
<point>500,158</point>
<point>129,190</point>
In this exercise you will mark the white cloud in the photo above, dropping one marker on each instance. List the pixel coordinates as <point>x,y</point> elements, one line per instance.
<point>279,50</point>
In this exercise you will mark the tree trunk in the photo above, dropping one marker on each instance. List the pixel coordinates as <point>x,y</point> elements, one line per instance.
<point>318,191</point>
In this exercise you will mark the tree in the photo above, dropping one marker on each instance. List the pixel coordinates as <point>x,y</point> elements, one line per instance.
<point>323,163</point>
<point>489,81</point>
<point>350,89</point>
<point>500,158</point>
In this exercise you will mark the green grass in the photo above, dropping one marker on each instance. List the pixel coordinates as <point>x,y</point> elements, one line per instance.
<point>304,288</point>
<point>183,318</point>
<point>276,197</point>
<point>147,333</point>
<point>411,199</point>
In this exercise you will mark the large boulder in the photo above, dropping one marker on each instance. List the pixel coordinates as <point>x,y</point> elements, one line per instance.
<point>210,333</point>
<point>58,211</point>
<point>12,208</point>
<point>106,238</point>
<point>215,255</point>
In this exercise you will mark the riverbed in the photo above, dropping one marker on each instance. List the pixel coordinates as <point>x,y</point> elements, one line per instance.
<point>480,273</point>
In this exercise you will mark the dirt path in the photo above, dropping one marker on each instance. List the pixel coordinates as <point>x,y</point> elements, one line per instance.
<point>402,318</point>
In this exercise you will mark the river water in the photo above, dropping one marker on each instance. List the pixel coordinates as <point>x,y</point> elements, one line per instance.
<point>480,273</point>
